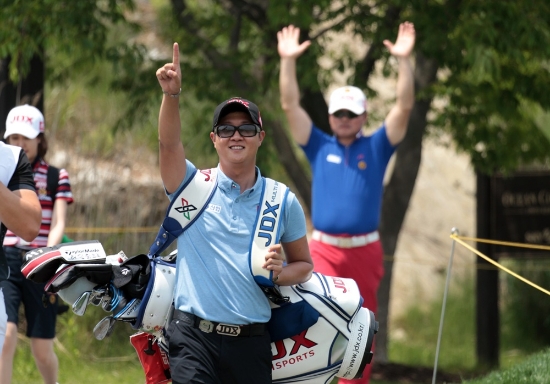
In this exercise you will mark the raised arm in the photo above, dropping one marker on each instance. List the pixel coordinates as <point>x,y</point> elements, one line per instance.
<point>398,117</point>
<point>289,50</point>
<point>171,152</point>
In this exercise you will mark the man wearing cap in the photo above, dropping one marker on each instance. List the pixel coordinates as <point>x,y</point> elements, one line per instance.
<point>19,210</point>
<point>348,168</point>
<point>25,129</point>
<point>214,285</point>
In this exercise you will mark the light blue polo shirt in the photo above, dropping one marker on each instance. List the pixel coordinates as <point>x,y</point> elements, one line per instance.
<point>213,274</point>
<point>347,181</point>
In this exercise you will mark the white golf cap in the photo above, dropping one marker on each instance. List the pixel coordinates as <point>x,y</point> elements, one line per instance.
<point>24,120</point>
<point>348,97</point>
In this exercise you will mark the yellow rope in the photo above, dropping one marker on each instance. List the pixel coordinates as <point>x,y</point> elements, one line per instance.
<point>488,259</point>
<point>505,243</point>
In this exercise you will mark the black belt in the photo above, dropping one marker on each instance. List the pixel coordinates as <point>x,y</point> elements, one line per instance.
<point>208,326</point>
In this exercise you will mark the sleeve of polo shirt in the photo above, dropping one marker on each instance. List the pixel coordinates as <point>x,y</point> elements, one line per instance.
<point>316,139</point>
<point>22,178</point>
<point>294,220</point>
<point>64,190</point>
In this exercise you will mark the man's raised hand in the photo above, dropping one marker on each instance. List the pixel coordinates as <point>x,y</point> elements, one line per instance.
<point>405,41</point>
<point>169,75</point>
<point>288,42</point>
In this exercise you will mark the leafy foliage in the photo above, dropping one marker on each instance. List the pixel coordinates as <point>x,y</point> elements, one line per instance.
<point>496,56</point>
<point>77,29</point>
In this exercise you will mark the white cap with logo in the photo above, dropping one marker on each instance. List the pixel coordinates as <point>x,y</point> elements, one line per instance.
<point>24,120</point>
<point>351,98</point>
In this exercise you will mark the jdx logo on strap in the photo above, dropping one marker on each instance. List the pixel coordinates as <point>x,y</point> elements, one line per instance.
<point>268,218</point>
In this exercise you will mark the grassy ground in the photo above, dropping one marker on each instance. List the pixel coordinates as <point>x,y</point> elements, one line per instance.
<point>533,370</point>
<point>82,358</point>
<point>83,371</point>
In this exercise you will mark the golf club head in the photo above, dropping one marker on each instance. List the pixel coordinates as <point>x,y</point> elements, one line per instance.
<point>79,306</point>
<point>106,303</point>
<point>104,327</point>
<point>97,296</point>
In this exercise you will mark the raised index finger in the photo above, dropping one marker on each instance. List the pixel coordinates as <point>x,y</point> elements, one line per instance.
<point>176,55</point>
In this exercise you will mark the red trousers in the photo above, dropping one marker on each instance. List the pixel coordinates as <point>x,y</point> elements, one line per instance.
<point>362,264</point>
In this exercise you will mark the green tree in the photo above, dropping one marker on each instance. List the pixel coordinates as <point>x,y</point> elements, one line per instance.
<point>79,30</point>
<point>77,33</point>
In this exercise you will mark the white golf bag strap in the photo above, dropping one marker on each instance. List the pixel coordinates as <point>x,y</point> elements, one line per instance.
<point>156,305</point>
<point>266,229</point>
<point>190,201</point>
<point>354,361</point>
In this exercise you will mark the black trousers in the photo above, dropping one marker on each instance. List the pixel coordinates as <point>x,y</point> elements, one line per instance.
<point>197,357</point>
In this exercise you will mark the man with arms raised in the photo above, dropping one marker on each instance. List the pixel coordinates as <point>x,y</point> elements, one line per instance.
<point>348,168</point>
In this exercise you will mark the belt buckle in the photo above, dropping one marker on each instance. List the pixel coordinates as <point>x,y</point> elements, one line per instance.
<point>206,326</point>
<point>345,242</point>
<point>228,329</point>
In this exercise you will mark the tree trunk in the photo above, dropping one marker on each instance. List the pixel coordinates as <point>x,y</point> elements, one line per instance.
<point>30,90</point>
<point>398,191</point>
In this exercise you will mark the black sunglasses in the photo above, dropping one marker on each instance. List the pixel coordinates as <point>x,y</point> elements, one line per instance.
<point>245,130</point>
<point>345,113</point>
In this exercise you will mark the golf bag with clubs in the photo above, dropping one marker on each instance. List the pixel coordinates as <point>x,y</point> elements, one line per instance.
<point>318,329</point>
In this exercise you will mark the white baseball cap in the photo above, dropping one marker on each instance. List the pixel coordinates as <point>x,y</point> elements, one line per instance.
<point>351,98</point>
<point>24,120</point>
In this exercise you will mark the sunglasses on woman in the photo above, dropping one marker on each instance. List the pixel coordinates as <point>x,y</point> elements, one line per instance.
<point>246,130</point>
<point>344,113</point>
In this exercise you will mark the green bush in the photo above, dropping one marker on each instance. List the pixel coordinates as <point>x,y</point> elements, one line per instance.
<point>526,310</point>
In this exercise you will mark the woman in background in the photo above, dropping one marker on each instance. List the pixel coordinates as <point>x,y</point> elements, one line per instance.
<point>25,129</point>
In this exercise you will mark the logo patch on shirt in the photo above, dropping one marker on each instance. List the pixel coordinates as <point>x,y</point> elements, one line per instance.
<point>41,188</point>
<point>334,159</point>
<point>362,165</point>
<point>214,208</point>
